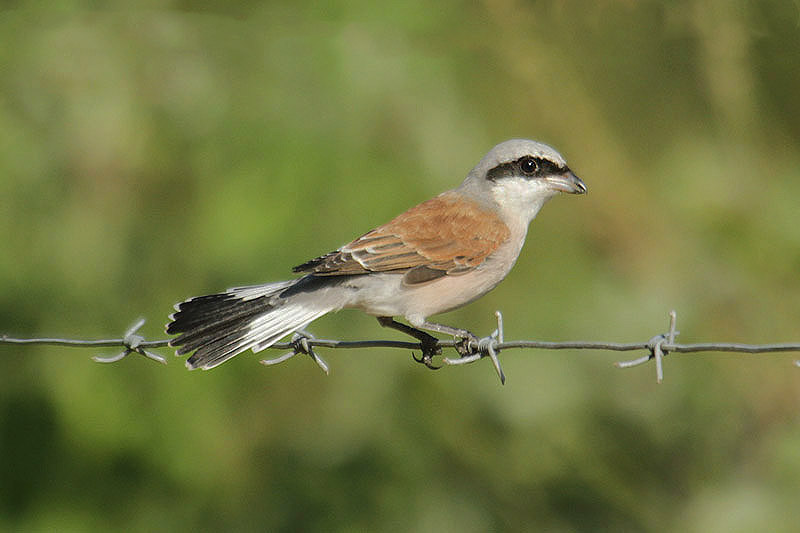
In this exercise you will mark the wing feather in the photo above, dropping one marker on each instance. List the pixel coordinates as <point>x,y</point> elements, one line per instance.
<point>446,235</point>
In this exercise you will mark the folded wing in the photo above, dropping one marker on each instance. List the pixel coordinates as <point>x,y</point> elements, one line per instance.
<point>444,236</point>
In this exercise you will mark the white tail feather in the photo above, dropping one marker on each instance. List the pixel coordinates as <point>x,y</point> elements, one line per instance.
<point>219,327</point>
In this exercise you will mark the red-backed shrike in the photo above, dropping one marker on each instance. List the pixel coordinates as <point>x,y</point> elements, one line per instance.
<point>435,257</point>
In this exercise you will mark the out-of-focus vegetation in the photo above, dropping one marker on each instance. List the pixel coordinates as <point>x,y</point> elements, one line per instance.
<point>148,154</point>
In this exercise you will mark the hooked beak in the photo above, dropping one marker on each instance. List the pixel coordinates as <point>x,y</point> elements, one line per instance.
<point>567,182</point>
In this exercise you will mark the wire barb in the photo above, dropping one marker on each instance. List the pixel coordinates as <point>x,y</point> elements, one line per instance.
<point>657,349</point>
<point>133,344</point>
<point>487,346</point>
<point>656,344</point>
<point>301,344</point>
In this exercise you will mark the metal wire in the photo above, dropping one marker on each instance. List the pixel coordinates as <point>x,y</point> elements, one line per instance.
<point>304,343</point>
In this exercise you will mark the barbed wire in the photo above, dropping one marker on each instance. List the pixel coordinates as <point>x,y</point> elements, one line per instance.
<point>303,342</point>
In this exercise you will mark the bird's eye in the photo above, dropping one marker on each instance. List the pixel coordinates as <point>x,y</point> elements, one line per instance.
<point>528,165</point>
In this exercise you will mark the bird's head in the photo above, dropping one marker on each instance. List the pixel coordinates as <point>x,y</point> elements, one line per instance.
<point>517,177</point>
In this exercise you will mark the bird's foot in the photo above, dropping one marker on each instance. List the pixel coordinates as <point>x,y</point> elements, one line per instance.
<point>430,347</point>
<point>427,343</point>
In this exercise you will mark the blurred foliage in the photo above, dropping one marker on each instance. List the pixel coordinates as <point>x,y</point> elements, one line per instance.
<point>153,151</point>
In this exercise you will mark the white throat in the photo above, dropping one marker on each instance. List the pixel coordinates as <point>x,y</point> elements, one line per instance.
<point>519,200</point>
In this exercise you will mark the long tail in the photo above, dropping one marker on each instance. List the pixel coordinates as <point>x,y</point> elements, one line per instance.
<point>219,326</point>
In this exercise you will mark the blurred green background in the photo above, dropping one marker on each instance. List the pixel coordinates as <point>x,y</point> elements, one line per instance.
<point>154,151</point>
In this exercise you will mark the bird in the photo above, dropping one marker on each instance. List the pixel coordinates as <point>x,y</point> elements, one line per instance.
<point>435,257</point>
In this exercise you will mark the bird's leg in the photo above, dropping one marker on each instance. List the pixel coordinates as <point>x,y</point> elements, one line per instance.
<point>428,343</point>
<point>464,345</point>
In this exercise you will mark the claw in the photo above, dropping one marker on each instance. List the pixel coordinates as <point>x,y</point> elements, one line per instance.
<point>426,360</point>
<point>430,347</point>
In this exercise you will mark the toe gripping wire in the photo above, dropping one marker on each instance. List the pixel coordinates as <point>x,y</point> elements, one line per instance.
<point>302,343</point>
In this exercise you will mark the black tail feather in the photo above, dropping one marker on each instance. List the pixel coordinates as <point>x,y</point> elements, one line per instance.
<point>216,326</point>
